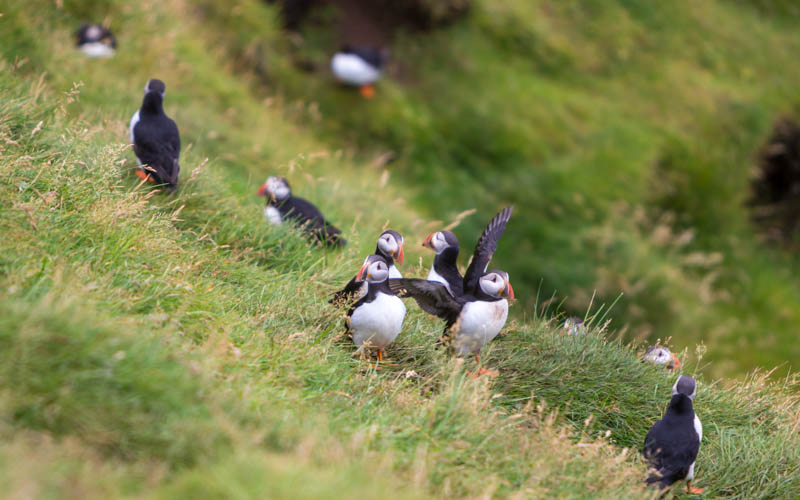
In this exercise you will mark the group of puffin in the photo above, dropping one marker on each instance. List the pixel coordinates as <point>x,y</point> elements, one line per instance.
<point>474,306</point>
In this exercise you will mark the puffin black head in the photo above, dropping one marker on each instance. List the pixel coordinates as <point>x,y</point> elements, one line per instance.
<point>660,355</point>
<point>440,241</point>
<point>495,283</point>
<point>390,244</point>
<point>275,188</point>
<point>685,385</point>
<point>155,85</point>
<point>374,270</point>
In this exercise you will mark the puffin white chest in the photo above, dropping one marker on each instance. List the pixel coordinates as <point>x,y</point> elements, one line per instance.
<point>273,215</point>
<point>97,49</point>
<point>394,273</point>
<point>434,276</point>
<point>351,69</point>
<point>378,322</point>
<point>480,322</point>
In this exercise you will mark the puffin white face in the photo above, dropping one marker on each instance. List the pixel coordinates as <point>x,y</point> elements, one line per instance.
<point>389,245</point>
<point>660,355</point>
<point>374,270</point>
<point>436,241</point>
<point>685,385</point>
<point>574,326</point>
<point>496,284</point>
<point>276,188</point>
<point>93,32</point>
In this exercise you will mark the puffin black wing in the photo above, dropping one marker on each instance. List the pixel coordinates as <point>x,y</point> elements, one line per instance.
<point>351,289</point>
<point>307,215</point>
<point>485,248</point>
<point>158,145</point>
<point>432,297</point>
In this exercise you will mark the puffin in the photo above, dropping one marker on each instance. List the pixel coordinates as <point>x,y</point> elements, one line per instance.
<point>95,40</point>
<point>662,356</point>
<point>155,138</point>
<point>376,319</point>
<point>282,206</point>
<point>358,67</point>
<point>445,270</point>
<point>390,247</point>
<point>673,442</point>
<point>445,267</point>
<point>471,320</point>
<point>574,326</point>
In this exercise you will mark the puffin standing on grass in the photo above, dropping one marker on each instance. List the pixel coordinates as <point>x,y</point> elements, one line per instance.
<point>155,138</point>
<point>282,206</point>
<point>95,41</point>
<point>390,247</point>
<point>445,265</point>
<point>672,444</point>
<point>358,67</point>
<point>474,317</point>
<point>662,356</point>
<point>375,319</point>
<point>472,320</point>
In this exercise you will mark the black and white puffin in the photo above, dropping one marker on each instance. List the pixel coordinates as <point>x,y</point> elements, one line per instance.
<point>358,67</point>
<point>472,320</point>
<point>95,40</point>
<point>282,206</point>
<point>574,326</point>
<point>444,269</point>
<point>155,138</point>
<point>673,442</point>
<point>660,355</point>
<point>390,247</point>
<point>375,319</point>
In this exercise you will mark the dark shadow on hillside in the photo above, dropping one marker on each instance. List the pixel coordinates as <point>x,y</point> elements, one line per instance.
<point>775,198</point>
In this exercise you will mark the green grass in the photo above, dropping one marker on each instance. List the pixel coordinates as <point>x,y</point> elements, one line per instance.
<point>625,132</point>
<point>177,346</point>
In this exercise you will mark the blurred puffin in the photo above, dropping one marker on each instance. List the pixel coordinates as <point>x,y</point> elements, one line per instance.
<point>673,442</point>
<point>472,320</point>
<point>574,326</point>
<point>95,40</point>
<point>660,355</point>
<point>390,247</point>
<point>282,206</point>
<point>445,267</point>
<point>155,138</point>
<point>358,67</point>
<point>375,319</point>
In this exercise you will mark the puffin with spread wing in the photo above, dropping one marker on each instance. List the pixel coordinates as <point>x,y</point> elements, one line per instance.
<point>475,317</point>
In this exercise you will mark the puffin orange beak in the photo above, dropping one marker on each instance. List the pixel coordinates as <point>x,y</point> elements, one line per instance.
<point>508,291</point>
<point>399,257</point>
<point>677,361</point>
<point>262,191</point>
<point>427,242</point>
<point>360,275</point>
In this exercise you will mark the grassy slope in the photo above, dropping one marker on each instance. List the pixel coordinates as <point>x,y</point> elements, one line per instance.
<point>152,350</point>
<point>626,134</point>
